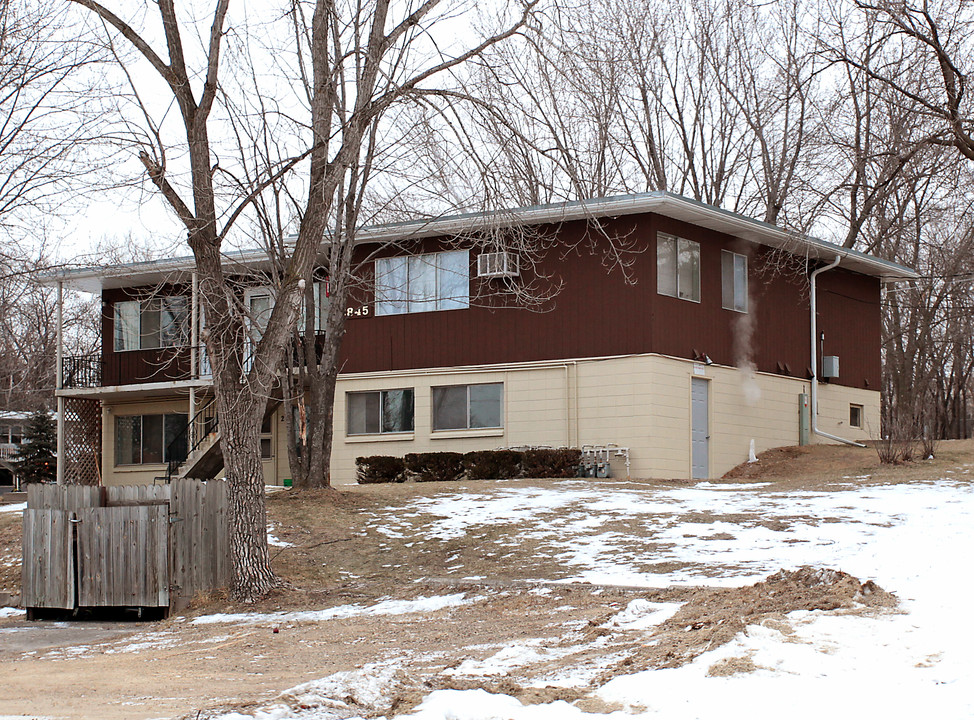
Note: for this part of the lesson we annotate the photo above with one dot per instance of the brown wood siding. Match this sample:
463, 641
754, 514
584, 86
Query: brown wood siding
851, 318
132, 367
598, 313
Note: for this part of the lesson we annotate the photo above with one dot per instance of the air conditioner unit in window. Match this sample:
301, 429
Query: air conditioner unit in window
497, 264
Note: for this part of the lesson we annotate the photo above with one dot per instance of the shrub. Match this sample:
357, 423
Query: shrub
435, 466
379, 469
547, 463
492, 464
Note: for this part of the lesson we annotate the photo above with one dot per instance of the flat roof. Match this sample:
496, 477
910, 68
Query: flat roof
95, 279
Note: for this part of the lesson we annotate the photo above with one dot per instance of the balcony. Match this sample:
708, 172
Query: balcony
133, 367
81, 371
136, 367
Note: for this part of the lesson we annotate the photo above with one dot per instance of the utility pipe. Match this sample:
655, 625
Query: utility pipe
59, 384
814, 323
194, 349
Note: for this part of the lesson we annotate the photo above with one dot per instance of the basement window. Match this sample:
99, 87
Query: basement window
468, 407
855, 416
383, 411
149, 439
678, 267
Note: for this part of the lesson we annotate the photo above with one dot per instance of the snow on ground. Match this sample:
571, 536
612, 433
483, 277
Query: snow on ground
769, 530
14, 507
273, 540
385, 607
915, 540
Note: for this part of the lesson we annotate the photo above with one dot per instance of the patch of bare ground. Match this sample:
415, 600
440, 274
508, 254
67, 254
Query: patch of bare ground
815, 467
712, 617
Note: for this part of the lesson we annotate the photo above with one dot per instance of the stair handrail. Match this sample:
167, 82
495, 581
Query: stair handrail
203, 423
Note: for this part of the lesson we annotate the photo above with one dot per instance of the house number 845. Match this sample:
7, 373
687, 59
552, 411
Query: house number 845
360, 311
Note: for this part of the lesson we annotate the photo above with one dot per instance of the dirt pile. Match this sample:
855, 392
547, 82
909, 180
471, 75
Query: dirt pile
713, 616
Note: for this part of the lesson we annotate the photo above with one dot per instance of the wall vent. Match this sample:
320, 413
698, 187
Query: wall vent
497, 264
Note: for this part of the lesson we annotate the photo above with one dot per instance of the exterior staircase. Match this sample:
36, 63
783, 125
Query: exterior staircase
204, 456
205, 461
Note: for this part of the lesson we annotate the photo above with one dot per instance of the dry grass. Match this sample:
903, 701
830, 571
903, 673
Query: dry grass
338, 556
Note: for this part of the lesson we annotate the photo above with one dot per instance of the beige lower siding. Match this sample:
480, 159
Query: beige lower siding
639, 402
113, 474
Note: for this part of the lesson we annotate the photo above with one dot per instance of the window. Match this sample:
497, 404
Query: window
385, 411
152, 323
420, 283
678, 267
462, 407
260, 305
733, 281
321, 300
146, 439
266, 439
855, 416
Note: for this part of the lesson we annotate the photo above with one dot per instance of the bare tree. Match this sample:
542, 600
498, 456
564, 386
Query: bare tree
936, 37
47, 121
28, 333
356, 65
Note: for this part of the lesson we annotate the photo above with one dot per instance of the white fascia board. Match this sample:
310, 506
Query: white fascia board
662, 203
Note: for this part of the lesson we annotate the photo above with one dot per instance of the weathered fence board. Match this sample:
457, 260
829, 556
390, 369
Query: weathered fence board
136, 546
137, 494
62, 497
199, 548
48, 568
123, 556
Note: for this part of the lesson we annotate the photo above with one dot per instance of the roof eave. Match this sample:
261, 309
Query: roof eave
660, 202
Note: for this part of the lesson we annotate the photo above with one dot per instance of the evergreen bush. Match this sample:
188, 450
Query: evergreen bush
379, 469
492, 464
551, 463
435, 466
37, 456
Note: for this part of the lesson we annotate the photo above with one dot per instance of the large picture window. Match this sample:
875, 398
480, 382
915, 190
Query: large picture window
464, 407
678, 267
146, 439
733, 280
382, 411
152, 323
420, 283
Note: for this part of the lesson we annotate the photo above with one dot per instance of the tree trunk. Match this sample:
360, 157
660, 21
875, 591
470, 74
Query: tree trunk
251, 574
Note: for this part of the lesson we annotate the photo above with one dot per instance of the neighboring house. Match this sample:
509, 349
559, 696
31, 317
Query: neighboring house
12, 427
706, 350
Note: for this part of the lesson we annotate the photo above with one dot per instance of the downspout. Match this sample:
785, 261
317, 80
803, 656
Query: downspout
814, 345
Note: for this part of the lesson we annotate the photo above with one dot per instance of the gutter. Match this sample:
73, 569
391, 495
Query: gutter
814, 325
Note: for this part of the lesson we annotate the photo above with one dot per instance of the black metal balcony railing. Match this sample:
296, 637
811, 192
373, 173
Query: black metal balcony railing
132, 367
81, 371
197, 431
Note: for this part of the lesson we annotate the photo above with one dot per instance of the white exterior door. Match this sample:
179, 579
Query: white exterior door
700, 429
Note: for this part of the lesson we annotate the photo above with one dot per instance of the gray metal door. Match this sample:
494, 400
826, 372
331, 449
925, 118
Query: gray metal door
700, 429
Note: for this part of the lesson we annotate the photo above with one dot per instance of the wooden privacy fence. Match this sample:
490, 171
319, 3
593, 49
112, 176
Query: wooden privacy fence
141, 546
